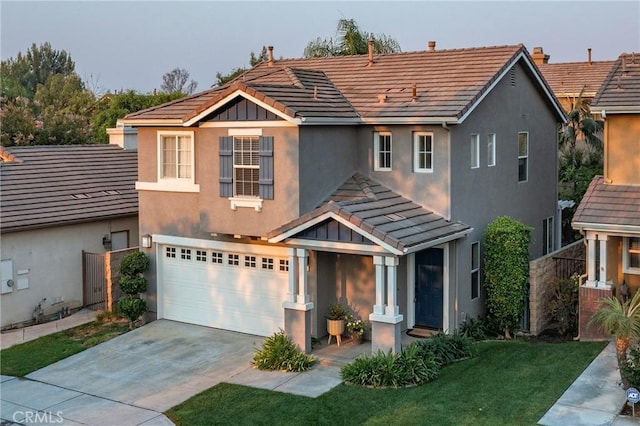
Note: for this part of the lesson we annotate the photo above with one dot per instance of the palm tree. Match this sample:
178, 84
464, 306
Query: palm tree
622, 319
351, 40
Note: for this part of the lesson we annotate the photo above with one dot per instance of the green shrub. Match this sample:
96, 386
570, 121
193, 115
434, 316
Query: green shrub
132, 308
447, 348
631, 369
561, 305
337, 311
133, 284
416, 366
506, 269
474, 329
134, 263
279, 353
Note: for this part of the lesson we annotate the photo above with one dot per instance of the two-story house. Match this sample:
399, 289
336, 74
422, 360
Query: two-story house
367, 179
609, 214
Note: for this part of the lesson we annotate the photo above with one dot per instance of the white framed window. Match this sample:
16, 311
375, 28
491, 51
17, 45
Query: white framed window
283, 265
185, 254
631, 255
267, 263
423, 152
523, 156
246, 166
250, 261
382, 151
491, 149
216, 257
176, 155
233, 259
475, 151
170, 252
475, 270
547, 235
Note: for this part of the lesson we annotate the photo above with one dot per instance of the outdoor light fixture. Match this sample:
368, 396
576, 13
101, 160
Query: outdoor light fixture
146, 241
106, 242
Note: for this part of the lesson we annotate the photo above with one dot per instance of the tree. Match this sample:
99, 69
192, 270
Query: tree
24, 73
622, 319
175, 81
351, 40
222, 79
581, 158
132, 283
112, 107
506, 269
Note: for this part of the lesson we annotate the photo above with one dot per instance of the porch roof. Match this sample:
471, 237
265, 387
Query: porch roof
607, 206
382, 216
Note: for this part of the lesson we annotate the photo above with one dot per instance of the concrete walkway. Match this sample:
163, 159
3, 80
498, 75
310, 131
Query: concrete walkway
25, 334
594, 398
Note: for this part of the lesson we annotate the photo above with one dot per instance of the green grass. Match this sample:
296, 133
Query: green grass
508, 383
22, 359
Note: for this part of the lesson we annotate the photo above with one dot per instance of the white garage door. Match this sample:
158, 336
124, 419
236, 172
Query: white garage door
240, 290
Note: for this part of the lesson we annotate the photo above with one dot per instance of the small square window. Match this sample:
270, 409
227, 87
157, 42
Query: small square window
267, 263
250, 261
233, 259
185, 254
283, 265
170, 252
216, 257
201, 255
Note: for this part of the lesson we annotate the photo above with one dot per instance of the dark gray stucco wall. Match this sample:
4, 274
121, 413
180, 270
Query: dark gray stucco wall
327, 159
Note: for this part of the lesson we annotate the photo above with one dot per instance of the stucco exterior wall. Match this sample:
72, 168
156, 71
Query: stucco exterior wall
428, 189
327, 159
51, 260
622, 156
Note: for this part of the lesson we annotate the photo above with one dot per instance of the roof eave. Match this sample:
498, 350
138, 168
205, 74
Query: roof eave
410, 120
438, 241
623, 109
151, 122
617, 228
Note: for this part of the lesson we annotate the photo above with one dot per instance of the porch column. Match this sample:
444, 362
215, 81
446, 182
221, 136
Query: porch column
392, 308
591, 259
378, 308
386, 321
297, 308
602, 241
291, 294
303, 295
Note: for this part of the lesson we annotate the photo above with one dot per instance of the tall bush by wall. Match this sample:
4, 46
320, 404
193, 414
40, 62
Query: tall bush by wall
506, 269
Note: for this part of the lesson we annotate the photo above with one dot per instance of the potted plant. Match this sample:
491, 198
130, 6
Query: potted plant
356, 327
336, 321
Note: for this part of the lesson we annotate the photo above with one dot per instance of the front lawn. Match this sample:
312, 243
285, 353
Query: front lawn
22, 359
507, 383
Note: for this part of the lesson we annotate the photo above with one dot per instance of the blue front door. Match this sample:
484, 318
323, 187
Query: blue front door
429, 288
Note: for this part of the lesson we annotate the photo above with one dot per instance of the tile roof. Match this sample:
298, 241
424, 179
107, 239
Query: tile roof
44, 186
603, 204
622, 86
448, 83
569, 79
382, 213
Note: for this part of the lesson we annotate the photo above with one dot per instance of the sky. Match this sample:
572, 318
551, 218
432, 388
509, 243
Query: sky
132, 44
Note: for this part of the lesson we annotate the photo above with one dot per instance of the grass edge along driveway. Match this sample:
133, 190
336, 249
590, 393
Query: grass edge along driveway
508, 383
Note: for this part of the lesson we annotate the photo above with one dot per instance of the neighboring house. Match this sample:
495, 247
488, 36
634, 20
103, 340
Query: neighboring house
365, 179
609, 214
570, 80
57, 201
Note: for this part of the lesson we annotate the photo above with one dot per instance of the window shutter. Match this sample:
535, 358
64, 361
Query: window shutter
266, 167
226, 166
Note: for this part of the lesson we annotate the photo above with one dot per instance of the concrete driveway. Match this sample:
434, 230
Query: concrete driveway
131, 379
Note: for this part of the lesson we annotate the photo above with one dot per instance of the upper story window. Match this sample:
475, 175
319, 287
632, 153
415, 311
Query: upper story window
382, 148
523, 156
176, 151
475, 151
631, 255
246, 168
491, 149
423, 152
